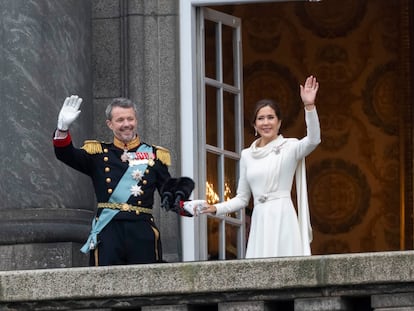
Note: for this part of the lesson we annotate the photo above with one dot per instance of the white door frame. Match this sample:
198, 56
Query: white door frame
188, 96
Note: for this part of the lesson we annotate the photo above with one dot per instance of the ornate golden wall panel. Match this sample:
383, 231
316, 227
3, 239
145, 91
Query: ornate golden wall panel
359, 50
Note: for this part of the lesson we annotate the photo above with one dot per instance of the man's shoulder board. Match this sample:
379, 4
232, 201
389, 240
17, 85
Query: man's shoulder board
163, 154
92, 146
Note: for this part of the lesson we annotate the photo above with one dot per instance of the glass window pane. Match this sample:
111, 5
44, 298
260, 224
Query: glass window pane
213, 238
230, 178
212, 185
229, 124
231, 241
228, 57
211, 115
210, 49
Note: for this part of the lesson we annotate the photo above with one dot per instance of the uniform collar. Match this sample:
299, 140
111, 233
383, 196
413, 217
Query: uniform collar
132, 144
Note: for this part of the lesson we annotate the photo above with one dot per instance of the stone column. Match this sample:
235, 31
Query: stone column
45, 207
154, 80
135, 56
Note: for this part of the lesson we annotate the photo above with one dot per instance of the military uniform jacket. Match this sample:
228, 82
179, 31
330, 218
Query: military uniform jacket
106, 165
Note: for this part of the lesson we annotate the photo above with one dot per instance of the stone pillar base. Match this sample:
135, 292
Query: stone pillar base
42, 256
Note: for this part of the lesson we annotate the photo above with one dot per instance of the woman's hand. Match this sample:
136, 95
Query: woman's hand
207, 209
308, 91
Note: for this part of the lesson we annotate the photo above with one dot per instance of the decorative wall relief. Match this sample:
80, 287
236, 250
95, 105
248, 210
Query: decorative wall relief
339, 195
330, 19
268, 79
263, 29
381, 98
359, 51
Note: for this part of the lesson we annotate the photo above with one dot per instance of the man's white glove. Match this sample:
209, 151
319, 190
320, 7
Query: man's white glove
69, 112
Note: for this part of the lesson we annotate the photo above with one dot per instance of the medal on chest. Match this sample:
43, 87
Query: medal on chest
138, 157
124, 156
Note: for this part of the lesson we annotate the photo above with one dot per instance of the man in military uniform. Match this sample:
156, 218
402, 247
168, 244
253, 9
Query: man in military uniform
125, 174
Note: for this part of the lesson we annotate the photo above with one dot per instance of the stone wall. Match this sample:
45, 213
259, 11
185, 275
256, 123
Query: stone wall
46, 207
135, 55
98, 50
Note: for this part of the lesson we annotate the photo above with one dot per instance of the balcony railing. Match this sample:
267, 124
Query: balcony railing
382, 281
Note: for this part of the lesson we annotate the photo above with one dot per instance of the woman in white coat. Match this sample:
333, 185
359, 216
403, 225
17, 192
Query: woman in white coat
267, 169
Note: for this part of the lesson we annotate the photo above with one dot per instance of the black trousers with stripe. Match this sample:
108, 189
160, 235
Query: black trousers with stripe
125, 241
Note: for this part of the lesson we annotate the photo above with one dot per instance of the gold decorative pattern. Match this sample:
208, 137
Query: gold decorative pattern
328, 19
342, 187
264, 29
125, 207
92, 147
132, 144
268, 79
360, 50
381, 94
163, 155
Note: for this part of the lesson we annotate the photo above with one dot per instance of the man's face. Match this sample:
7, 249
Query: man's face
123, 123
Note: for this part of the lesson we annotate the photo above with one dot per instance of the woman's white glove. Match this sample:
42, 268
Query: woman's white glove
69, 112
194, 207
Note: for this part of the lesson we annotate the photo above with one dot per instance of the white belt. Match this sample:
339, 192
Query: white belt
273, 196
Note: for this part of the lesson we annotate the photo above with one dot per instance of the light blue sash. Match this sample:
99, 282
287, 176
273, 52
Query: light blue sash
119, 195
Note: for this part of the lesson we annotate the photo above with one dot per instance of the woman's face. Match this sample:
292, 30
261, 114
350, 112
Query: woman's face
267, 124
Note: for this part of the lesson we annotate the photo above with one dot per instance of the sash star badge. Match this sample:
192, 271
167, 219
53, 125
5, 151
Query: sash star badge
136, 190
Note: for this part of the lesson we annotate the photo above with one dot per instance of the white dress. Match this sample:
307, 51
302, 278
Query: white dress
267, 173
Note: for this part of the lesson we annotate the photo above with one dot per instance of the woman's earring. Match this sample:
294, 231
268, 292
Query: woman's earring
255, 132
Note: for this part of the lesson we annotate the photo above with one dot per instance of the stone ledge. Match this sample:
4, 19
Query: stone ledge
223, 278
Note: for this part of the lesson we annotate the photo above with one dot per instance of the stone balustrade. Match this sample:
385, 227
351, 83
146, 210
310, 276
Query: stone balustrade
382, 281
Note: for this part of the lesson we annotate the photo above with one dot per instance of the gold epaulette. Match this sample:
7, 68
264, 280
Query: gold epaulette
163, 155
92, 146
